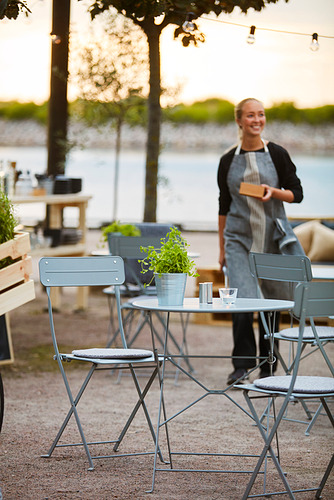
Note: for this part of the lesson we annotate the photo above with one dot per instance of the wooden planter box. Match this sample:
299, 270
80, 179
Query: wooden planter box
16, 287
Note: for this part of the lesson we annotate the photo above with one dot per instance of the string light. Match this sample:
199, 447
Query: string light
188, 26
314, 44
55, 38
251, 37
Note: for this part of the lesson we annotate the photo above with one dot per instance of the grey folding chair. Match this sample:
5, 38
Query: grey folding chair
95, 271
128, 248
311, 300
292, 269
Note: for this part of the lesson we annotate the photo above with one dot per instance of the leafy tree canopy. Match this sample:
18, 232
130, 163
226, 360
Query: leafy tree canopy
12, 8
165, 12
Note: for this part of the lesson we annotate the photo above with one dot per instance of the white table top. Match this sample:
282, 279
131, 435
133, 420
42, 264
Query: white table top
323, 272
192, 305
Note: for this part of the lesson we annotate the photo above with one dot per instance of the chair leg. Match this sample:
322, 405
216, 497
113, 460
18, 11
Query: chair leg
140, 402
313, 419
72, 410
267, 448
325, 477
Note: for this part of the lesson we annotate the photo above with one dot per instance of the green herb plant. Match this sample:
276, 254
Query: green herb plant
117, 227
172, 257
8, 223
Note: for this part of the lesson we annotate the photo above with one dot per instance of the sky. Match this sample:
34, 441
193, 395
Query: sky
278, 67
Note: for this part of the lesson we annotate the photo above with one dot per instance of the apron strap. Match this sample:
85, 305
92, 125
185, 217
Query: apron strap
237, 151
265, 146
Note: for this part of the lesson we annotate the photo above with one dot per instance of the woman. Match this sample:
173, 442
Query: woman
251, 224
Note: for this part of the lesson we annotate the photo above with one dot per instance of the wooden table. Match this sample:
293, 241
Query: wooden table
56, 204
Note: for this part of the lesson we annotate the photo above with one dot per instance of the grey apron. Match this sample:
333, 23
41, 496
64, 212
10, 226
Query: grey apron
252, 225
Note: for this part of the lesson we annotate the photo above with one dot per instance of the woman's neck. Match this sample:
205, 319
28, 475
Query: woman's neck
251, 143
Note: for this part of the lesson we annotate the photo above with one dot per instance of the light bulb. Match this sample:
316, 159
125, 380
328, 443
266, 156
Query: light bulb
188, 26
314, 44
55, 39
251, 37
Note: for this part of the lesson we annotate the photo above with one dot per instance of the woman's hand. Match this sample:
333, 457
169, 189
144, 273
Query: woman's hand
279, 194
222, 258
268, 193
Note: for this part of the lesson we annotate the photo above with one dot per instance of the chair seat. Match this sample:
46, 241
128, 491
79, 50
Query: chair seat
134, 299
303, 384
128, 290
131, 290
107, 353
324, 332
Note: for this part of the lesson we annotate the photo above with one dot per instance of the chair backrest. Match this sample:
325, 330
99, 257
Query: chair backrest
290, 269
128, 247
81, 271
277, 267
314, 299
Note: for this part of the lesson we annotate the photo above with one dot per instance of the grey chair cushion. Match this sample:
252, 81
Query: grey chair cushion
323, 332
112, 353
303, 384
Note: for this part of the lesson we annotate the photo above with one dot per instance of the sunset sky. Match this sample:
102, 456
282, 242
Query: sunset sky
277, 67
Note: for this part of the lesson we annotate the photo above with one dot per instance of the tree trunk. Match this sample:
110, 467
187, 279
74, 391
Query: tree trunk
116, 173
57, 119
153, 130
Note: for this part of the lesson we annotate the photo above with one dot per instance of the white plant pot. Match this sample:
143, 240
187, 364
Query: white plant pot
171, 288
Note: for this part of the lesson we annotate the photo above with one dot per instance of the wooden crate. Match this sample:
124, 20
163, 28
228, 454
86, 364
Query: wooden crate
16, 287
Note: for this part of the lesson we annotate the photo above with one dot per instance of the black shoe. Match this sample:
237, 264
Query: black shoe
238, 373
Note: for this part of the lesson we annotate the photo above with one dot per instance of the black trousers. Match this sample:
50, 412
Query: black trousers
245, 343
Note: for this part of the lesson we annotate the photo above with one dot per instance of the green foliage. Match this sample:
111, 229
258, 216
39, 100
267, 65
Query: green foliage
96, 113
117, 227
12, 8
210, 110
172, 257
286, 111
13, 110
8, 223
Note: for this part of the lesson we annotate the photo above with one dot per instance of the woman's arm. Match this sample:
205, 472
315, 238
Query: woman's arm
280, 194
286, 170
221, 227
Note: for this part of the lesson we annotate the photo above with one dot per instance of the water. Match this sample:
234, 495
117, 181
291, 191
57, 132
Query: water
187, 191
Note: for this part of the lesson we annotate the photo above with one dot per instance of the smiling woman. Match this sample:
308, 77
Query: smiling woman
254, 224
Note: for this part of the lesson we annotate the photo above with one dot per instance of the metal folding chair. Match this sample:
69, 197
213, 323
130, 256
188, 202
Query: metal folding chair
311, 300
129, 249
292, 269
95, 271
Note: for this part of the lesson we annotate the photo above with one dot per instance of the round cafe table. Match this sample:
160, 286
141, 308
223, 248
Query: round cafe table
192, 305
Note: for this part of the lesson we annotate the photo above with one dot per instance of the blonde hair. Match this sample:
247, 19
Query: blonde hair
238, 111
238, 108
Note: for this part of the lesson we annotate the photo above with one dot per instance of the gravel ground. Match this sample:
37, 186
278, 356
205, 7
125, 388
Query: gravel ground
35, 403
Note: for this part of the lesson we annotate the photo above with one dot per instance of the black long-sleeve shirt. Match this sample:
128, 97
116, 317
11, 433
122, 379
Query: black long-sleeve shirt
286, 171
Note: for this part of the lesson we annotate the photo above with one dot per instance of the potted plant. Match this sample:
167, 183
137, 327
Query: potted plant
171, 265
15, 265
119, 229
